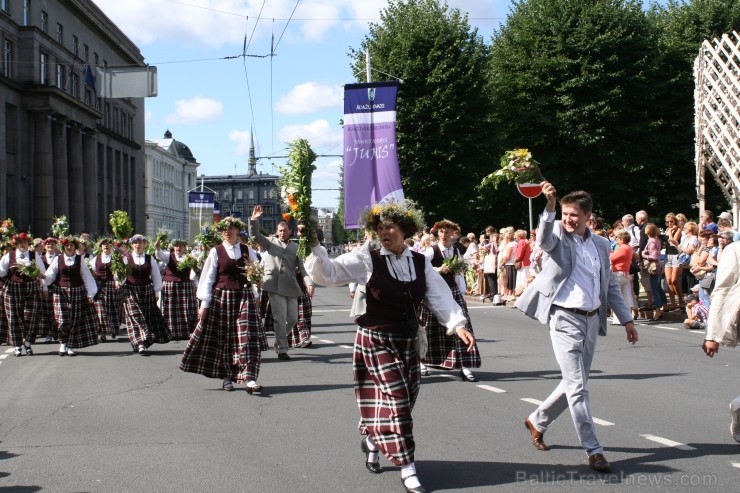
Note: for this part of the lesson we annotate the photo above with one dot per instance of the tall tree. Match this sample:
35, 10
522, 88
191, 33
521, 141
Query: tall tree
444, 108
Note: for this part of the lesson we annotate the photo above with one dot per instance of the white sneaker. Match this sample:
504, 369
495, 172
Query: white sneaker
70, 352
735, 423
142, 349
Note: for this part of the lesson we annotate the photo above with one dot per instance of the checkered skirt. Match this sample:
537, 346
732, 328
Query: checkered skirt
387, 377
108, 307
22, 303
179, 309
45, 323
301, 332
144, 322
3, 320
448, 352
229, 341
75, 317
266, 312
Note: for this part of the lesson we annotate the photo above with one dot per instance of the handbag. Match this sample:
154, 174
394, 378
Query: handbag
684, 259
650, 266
707, 282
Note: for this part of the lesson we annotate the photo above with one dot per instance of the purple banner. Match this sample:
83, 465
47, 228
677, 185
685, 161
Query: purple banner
371, 173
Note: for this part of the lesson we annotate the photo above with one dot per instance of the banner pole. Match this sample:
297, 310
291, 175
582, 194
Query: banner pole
367, 65
530, 217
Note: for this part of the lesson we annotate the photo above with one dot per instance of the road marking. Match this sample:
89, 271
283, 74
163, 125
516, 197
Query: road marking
314, 337
346, 347
327, 341
602, 422
492, 389
336, 310
735, 464
670, 443
3, 356
531, 401
9, 350
446, 375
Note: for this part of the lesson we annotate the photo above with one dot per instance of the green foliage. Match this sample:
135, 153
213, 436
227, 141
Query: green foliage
295, 189
120, 225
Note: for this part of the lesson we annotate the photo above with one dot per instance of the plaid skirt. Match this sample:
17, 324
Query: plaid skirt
75, 317
22, 303
45, 323
144, 322
266, 312
108, 307
3, 320
301, 332
229, 341
179, 309
448, 352
387, 377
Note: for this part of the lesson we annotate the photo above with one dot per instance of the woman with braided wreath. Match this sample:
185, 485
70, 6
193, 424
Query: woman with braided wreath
445, 350
21, 294
46, 326
144, 322
228, 340
385, 361
73, 293
108, 301
179, 305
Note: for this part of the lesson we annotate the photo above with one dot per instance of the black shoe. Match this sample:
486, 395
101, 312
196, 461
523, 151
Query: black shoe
418, 489
283, 356
29, 351
373, 467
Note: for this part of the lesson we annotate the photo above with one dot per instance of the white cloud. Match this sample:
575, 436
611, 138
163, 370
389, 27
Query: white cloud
319, 133
242, 141
195, 111
327, 171
310, 97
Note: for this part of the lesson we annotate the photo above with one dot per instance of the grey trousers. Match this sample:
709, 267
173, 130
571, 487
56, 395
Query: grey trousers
284, 317
574, 343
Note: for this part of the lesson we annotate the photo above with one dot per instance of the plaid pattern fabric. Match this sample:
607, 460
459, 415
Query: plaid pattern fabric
179, 309
3, 320
45, 323
75, 317
301, 332
448, 352
387, 377
22, 302
700, 312
144, 322
266, 312
108, 307
229, 341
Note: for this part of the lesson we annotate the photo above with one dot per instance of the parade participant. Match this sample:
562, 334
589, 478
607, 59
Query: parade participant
300, 335
46, 325
386, 359
571, 295
108, 300
74, 290
445, 350
179, 305
144, 323
21, 294
280, 260
228, 339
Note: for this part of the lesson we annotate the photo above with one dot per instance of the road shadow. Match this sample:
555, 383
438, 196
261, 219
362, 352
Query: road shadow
269, 391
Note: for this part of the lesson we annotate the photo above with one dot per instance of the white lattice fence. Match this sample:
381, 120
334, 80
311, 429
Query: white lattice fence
717, 107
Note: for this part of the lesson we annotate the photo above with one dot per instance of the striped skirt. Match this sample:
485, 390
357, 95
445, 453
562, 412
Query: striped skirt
229, 341
144, 323
45, 324
3, 320
75, 317
266, 312
448, 352
387, 378
108, 307
22, 304
301, 332
179, 309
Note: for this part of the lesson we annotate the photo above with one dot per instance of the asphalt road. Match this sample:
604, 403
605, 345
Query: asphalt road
109, 420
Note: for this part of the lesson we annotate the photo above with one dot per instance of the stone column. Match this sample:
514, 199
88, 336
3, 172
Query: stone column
43, 175
76, 189
61, 173
90, 173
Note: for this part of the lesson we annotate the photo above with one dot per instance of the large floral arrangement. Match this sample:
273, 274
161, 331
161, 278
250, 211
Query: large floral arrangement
7, 229
254, 272
456, 265
209, 237
118, 267
120, 225
161, 239
27, 268
189, 261
295, 190
60, 227
516, 166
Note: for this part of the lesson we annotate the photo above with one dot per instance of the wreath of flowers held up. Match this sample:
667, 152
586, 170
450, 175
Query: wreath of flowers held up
60, 226
405, 214
516, 166
120, 225
295, 190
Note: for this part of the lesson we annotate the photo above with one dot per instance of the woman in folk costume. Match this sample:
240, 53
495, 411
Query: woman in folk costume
179, 305
46, 324
228, 341
74, 290
144, 322
4, 248
446, 351
386, 357
108, 300
21, 294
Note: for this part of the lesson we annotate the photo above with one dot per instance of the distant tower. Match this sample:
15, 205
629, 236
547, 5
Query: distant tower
252, 169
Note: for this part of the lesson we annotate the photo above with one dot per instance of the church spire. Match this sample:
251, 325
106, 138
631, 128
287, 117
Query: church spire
252, 168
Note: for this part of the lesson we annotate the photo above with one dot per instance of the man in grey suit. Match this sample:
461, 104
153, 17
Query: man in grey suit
281, 261
570, 295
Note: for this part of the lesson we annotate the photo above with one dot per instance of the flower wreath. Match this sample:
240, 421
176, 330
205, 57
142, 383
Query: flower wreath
229, 222
446, 224
22, 237
66, 240
178, 242
405, 214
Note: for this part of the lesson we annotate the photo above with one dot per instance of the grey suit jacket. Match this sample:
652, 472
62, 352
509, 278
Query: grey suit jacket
536, 301
280, 264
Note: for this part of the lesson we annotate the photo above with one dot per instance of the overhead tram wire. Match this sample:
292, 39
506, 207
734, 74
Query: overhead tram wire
286, 24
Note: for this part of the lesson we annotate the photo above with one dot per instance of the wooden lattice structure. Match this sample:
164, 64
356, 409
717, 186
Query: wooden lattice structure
717, 111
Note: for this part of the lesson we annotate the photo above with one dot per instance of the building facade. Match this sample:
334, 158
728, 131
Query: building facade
63, 150
324, 222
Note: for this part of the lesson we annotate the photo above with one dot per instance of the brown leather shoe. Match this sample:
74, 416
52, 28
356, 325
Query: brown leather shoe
537, 437
598, 463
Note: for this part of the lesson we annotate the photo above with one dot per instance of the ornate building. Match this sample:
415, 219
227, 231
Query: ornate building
63, 150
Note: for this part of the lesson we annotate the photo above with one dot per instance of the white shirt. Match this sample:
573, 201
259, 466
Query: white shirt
210, 271
87, 278
156, 275
5, 263
164, 257
357, 266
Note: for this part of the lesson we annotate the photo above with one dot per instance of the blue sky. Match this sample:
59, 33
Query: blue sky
210, 103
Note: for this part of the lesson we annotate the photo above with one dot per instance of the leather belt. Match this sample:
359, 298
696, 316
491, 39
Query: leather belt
578, 311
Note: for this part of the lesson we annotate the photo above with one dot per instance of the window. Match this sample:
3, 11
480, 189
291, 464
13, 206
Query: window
60, 33
44, 22
26, 12
75, 85
60, 76
7, 58
265, 193
75, 45
86, 53
250, 194
95, 59
4, 6
43, 68
239, 195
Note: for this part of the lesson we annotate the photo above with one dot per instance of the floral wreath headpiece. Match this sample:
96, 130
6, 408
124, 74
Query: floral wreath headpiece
23, 236
137, 237
406, 214
229, 222
66, 240
178, 242
446, 224
49, 240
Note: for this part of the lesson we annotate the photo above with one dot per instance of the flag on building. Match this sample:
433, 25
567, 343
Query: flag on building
90, 80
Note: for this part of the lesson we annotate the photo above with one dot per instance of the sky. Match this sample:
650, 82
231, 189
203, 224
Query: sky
210, 96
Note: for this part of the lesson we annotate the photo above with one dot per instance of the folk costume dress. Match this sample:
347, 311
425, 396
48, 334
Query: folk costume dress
385, 362
45, 324
21, 299
74, 315
108, 301
447, 351
229, 341
179, 304
144, 322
